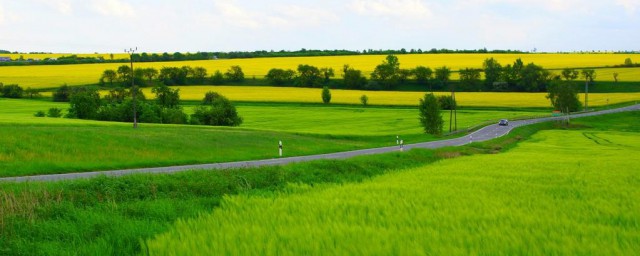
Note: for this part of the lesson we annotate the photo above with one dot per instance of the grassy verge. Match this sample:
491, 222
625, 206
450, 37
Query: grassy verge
110, 216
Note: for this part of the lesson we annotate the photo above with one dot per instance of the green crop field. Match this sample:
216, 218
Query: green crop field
42, 145
310, 95
560, 193
55, 75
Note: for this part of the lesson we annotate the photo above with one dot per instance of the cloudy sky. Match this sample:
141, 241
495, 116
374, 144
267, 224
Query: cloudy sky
86, 26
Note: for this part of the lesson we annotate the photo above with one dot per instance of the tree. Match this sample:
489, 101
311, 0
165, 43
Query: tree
12, 91
589, 75
532, 78
387, 73
108, 75
124, 75
308, 76
423, 75
364, 100
615, 76
446, 102
442, 76
430, 116
327, 74
166, 97
216, 110
563, 96
569, 74
173, 75
234, 74
628, 62
278, 76
62, 94
470, 79
217, 78
85, 103
353, 78
32, 93
149, 74
492, 73
199, 74
326, 95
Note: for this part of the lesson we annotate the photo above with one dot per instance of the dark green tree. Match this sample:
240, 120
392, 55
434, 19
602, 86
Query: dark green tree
216, 110
423, 75
353, 78
234, 74
12, 91
387, 73
309, 76
569, 74
470, 79
84, 103
278, 76
589, 75
62, 94
217, 78
327, 74
492, 73
124, 75
199, 74
326, 95
166, 97
430, 116
108, 75
563, 96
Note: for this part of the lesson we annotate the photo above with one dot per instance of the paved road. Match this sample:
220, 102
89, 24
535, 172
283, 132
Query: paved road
483, 134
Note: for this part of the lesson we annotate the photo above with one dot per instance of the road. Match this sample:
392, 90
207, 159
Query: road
483, 134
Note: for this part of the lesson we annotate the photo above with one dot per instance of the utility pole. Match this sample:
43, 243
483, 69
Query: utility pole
131, 51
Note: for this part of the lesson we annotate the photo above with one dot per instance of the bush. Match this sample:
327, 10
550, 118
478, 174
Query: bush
54, 112
234, 74
216, 110
364, 100
326, 95
12, 91
173, 116
62, 94
217, 78
446, 102
85, 103
40, 113
430, 117
278, 76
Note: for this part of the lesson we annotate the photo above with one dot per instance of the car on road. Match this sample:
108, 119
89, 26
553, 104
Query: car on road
503, 122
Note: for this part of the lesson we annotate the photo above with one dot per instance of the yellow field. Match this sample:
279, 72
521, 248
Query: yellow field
307, 95
53, 76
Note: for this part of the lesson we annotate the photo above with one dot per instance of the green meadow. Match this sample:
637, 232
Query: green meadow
43, 145
562, 192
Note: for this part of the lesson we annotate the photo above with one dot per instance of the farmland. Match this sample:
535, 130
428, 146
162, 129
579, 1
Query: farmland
81, 74
483, 204
310, 95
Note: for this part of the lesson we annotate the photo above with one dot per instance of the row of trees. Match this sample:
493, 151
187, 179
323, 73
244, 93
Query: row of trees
16, 92
117, 105
168, 76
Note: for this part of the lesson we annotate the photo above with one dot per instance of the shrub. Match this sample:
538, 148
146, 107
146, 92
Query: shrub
40, 113
278, 76
85, 103
217, 78
430, 117
234, 74
12, 91
326, 95
54, 112
446, 102
62, 94
364, 100
216, 110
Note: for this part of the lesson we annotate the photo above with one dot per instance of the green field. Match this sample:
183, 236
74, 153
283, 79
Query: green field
561, 192
49, 76
42, 145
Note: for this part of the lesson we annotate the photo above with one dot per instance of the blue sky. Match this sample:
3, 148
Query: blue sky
86, 26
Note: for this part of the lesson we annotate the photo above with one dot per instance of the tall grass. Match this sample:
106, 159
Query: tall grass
562, 192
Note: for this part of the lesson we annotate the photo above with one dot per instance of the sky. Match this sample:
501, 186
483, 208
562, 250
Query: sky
110, 26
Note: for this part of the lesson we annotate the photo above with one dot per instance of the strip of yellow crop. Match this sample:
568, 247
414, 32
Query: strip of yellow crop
310, 95
53, 76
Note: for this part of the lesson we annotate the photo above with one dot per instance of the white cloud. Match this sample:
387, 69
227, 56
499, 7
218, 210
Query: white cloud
235, 15
113, 8
61, 6
400, 8
299, 16
631, 6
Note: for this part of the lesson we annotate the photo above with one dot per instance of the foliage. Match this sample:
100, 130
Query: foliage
109, 75
423, 75
54, 112
166, 97
492, 73
62, 94
327, 74
569, 74
326, 95
442, 76
470, 79
353, 78
173, 75
84, 103
364, 100
217, 78
124, 73
39, 113
12, 91
563, 97
199, 74
446, 102
216, 110
277, 76
430, 116
308, 76
32, 93
234, 74
387, 73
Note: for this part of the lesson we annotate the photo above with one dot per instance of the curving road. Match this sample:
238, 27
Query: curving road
483, 134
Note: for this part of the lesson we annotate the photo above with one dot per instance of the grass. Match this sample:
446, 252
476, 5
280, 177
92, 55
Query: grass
562, 192
110, 216
55, 75
397, 98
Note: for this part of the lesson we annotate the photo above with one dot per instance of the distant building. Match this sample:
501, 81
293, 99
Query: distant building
5, 59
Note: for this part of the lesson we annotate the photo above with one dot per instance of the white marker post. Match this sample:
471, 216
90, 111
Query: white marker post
401, 145
397, 140
470, 139
280, 148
